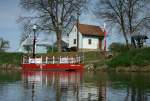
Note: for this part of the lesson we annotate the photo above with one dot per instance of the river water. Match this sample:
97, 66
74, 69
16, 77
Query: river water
74, 86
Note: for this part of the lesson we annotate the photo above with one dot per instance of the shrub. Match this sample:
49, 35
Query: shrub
118, 47
51, 49
133, 57
10, 58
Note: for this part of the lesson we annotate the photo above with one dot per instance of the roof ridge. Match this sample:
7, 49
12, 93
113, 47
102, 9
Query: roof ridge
89, 25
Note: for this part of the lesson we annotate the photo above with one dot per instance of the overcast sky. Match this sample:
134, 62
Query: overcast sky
10, 29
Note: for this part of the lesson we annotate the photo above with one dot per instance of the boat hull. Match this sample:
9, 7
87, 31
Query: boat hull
52, 66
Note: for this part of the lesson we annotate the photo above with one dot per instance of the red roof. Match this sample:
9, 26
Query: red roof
91, 30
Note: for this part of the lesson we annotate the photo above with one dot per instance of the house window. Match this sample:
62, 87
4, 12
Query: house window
90, 41
74, 41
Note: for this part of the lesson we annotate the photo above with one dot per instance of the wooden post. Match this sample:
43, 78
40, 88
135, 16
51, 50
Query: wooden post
67, 60
53, 60
29, 60
60, 59
41, 59
23, 60
46, 59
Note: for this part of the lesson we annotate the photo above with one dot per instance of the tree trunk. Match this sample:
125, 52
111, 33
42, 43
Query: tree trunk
126, 39
124, 32
58, 33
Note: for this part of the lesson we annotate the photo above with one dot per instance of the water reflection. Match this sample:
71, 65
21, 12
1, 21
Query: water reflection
133, 86
58, 85
74, 86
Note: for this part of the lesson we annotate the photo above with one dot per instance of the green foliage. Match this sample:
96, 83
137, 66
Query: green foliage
58, 54
92, 55
133, 57
118, 47
28, 48
51, 49
10, 58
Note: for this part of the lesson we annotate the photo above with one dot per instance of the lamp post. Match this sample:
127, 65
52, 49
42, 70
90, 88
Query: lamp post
34, 27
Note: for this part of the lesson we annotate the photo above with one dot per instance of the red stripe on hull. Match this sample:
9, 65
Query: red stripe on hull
52, 66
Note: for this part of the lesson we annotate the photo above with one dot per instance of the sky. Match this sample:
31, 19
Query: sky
10, 29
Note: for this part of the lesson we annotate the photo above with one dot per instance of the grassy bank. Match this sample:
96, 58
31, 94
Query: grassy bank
134, 58
91, 57
14, 59
10, 58
128, 60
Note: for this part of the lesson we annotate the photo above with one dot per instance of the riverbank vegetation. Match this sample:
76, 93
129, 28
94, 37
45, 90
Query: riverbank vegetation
123, 59
136, 58
10, 58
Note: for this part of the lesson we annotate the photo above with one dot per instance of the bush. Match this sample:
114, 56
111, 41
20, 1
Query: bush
51, 49
133, 57
118, 47
10, 58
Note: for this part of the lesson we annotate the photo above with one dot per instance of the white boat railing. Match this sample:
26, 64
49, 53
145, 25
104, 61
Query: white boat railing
53, 60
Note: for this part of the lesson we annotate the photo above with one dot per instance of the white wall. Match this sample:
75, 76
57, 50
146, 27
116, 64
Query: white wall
94, 42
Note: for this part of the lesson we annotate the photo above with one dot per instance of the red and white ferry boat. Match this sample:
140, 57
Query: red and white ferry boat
52, 63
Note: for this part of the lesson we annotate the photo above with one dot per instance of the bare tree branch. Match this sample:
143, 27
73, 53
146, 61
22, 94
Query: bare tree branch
55, 15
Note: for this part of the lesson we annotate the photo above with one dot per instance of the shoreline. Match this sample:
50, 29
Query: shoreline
10, 67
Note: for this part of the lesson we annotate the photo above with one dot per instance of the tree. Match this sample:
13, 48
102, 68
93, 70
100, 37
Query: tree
28, 48
3, 45
129, 15
137, 16
54, 15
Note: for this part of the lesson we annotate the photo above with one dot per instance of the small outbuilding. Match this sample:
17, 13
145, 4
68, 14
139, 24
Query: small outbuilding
138, 40
90, 37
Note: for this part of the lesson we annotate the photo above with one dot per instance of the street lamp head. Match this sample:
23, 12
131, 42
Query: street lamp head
34, 27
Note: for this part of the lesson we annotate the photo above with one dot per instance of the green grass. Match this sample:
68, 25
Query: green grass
91, 56
10, 58
16, 57
133, 57
88, 56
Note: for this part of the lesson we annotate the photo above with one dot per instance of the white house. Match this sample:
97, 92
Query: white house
90, 37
